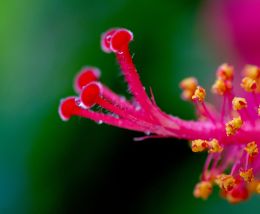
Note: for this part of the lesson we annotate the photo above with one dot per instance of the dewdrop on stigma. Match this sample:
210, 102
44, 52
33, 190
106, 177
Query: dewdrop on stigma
230, 135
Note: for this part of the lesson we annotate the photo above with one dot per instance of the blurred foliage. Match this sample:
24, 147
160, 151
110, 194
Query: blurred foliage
48, 166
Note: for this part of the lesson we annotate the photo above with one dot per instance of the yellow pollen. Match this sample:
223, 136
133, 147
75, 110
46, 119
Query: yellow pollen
188, 86
189, 83
187, 95
233, 126
215, 147
202, 190
199, 145
251, 149
225, 182
239, 103
258, 188
248, 84
225, 72
199, 94
220, 87
252, 71
247, 175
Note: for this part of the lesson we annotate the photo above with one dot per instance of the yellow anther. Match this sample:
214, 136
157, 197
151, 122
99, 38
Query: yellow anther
188, 86
239, 103
215, 146
252, 72
199, 145
251, 149
187, 95
252, 186
258, 110
202, 190
225, 72
258, 188
233, 126
220, 87
189, 83
248, 84
247, 175
225, 182
199, 94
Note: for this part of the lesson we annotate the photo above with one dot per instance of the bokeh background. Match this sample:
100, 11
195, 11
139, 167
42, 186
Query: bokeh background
48, 166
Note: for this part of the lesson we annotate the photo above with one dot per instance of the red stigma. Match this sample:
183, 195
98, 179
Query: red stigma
116, 40
86, 76
120, 40
106, 39
90, 94
67, 107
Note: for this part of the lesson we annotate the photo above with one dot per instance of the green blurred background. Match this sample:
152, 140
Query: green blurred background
48, 166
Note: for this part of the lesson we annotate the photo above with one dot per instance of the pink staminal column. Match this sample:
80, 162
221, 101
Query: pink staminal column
229, 135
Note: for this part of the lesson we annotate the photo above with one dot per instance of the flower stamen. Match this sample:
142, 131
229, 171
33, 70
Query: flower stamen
231, 162
233, 126
247, 175
225, 182
202, 190
188, 85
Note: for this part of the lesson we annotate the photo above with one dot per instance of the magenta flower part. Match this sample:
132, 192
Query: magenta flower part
230, 135
239, 23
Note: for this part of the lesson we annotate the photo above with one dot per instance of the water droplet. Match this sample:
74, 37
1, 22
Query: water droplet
113, 115
108, 38
122, 98
147, 133
138, 108
100, 122
78, 102
116, 116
